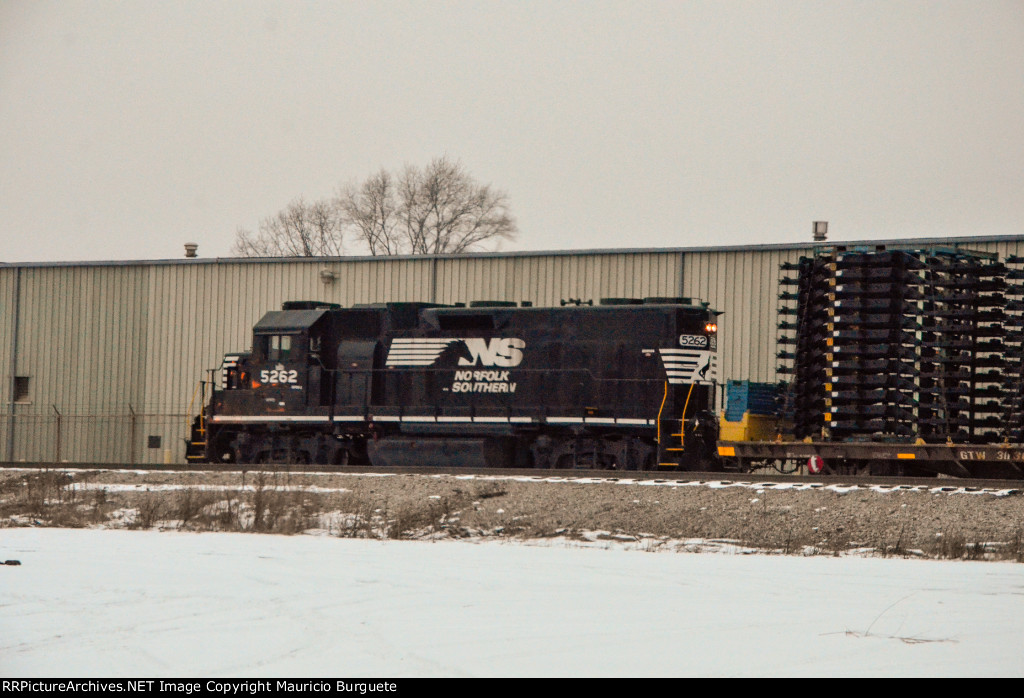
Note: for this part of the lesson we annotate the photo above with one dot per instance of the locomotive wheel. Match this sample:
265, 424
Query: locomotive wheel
243, 456
220, 448
586, 461
283, 456
564, 462
593, 461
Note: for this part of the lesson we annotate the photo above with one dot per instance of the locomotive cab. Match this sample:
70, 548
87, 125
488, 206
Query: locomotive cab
288, 368
291, 358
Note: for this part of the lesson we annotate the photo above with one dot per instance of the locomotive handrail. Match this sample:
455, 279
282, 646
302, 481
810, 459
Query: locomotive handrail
660, 409
430, 369
422, 369
474, 398
192, 402
682, 420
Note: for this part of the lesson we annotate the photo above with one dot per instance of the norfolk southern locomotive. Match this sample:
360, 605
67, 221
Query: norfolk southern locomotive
626, 384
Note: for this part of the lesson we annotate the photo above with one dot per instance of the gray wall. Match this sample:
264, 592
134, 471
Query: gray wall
115, 351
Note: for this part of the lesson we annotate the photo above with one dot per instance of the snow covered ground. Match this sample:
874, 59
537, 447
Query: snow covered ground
143, 603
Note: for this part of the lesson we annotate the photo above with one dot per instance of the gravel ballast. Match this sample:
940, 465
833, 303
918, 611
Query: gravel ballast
942, 522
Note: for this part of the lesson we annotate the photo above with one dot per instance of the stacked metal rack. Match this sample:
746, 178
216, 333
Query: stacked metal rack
1013, 369
894, 345
875, 352
964, 344
803, 321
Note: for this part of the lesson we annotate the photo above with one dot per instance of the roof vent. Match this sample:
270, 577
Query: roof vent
668, 300
492, 304
309, 305
190, 249
820, 231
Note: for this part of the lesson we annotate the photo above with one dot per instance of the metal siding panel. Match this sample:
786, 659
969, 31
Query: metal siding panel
8, 279
76, 340
593, 278
609, 277
530, 283
441, 276
559, 280
636, 275
463, 290
743, 309
445, 280
539, 282
498, 278
177, 336
648, 276
758, 275
515, 279
744, 286
548, 275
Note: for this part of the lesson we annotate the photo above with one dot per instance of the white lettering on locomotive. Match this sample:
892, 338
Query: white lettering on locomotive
693, 340
422, 351
490, 376
496, 352
279, 374
469, 387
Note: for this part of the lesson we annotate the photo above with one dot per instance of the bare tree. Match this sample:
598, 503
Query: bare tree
436, 210
370, 210
301, 230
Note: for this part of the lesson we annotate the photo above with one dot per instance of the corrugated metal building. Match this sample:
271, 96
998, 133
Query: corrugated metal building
102, 360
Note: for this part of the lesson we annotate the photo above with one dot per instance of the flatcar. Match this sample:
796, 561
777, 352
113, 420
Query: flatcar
625, 384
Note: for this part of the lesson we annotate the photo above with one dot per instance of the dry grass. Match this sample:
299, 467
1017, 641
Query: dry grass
969, 527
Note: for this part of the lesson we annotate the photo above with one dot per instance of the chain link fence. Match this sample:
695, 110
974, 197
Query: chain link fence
120, 436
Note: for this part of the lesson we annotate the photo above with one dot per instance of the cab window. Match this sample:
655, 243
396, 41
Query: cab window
280, 347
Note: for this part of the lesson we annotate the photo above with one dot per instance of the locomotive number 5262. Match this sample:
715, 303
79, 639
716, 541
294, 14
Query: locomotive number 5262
279, 376
693, 340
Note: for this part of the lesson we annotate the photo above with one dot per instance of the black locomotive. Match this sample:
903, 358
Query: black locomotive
626, 384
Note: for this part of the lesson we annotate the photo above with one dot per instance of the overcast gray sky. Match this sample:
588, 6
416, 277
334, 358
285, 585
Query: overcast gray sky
129, 128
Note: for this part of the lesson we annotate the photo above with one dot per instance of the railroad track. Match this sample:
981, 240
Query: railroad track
666, 477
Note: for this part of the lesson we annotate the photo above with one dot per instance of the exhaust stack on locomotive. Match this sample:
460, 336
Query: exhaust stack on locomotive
625, 384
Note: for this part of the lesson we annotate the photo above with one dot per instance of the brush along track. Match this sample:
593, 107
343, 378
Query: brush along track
942, 519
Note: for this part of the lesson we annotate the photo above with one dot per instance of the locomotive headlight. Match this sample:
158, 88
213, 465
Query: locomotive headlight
711, 328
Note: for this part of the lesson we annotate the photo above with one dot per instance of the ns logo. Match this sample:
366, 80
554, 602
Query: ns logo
425, 351
495, 352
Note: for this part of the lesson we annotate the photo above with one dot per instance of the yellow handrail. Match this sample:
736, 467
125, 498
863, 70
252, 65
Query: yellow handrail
188, 415
682, 425
663, 399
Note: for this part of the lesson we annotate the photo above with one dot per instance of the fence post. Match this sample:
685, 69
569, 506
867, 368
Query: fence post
132, 460
56, 458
